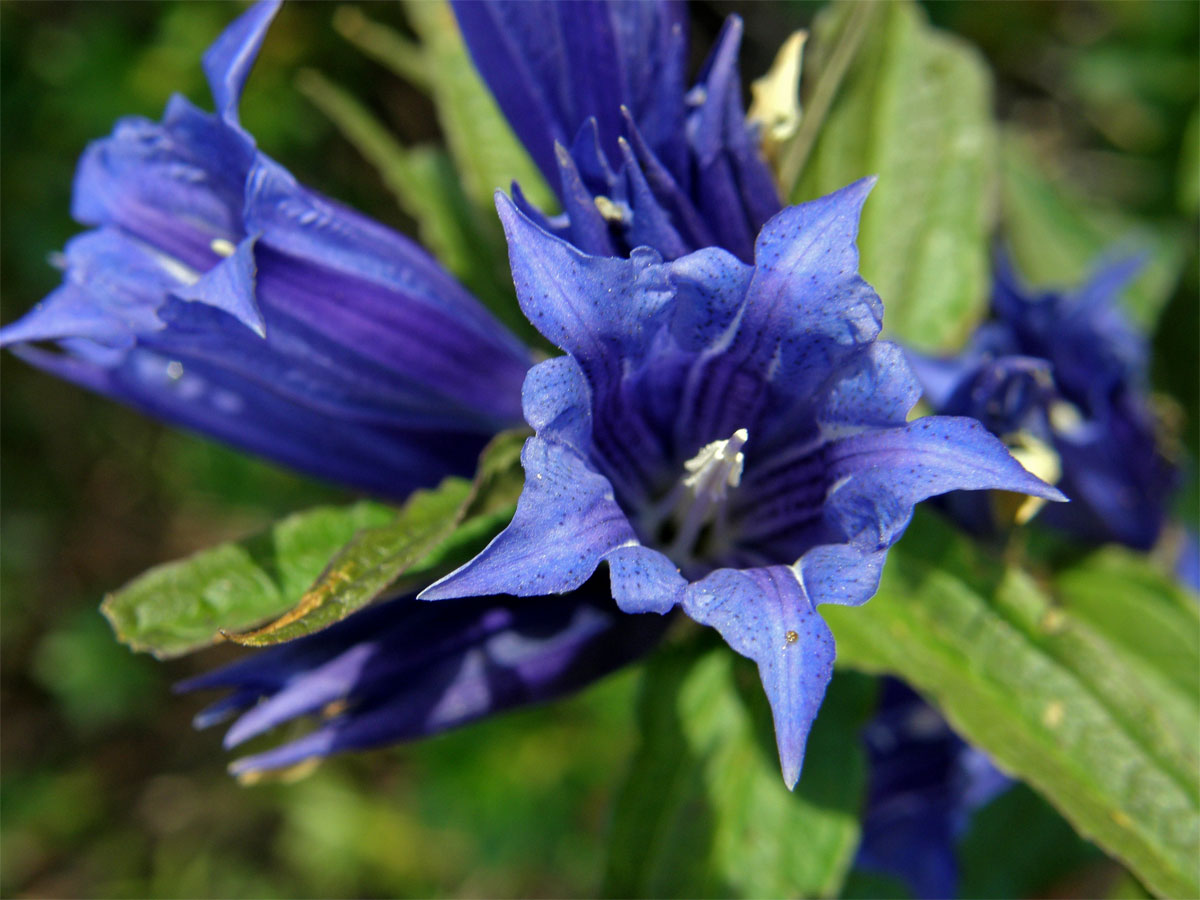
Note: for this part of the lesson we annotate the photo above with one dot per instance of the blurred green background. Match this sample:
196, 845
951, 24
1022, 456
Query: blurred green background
106, 790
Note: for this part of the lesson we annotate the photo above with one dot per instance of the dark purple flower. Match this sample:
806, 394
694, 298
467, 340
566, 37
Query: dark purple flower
1067, 369
218, 293
596, 91
406, 669
925, 782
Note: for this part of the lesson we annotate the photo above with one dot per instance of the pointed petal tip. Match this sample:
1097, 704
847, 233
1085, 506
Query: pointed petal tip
791, 774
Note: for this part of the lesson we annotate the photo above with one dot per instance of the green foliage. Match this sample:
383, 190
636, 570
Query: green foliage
182, 606
704, 813
914, 109
315, 568
1041, 681
435, 532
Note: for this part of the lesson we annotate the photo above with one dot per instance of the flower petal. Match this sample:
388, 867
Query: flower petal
228, 61
764, 614
589, 306
566, 521
644, 581
429, 667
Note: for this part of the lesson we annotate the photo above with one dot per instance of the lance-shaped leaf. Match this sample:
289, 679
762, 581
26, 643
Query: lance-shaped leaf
486, 152
914, 109
316, 567
702, 813
433, 533
1049, 690
183, 606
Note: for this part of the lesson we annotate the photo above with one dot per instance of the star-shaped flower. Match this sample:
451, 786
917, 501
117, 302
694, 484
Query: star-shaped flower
730, 438
596, 90
1067, 370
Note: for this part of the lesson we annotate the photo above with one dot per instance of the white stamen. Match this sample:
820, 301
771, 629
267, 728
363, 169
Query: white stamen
222, 247
174, 370
701, 494
717, 467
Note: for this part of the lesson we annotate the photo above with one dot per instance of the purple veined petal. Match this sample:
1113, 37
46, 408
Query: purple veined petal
670, 192
230, 286
650, 225
430, 667
512, 44
228, 61
644, 581
878, 476
305, 225
386, 461
553, 66
591, 74
566, 521
765, 615
583, 303
589, 230
176, 186
128, 279
807, 308
877, 388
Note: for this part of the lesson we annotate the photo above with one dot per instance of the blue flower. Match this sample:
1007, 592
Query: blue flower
219, 294
405, 669
1067, 369
730, 439
596, 91
925, 782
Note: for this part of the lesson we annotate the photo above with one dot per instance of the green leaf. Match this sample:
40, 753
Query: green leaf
370, 564
183, 606
704, 811
914, 108
316, 567
486, 153
1047, 854
1041, 682
435, 532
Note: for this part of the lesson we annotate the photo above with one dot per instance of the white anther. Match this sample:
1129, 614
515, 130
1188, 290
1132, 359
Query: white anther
222, 247
717, 467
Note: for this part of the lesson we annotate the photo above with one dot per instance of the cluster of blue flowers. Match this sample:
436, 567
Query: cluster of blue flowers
724, 428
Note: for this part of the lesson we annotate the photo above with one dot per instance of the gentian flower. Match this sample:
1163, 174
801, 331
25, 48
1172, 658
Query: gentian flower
596, 92
730, 438
1068, 370
925, 783
218, 293
405, 669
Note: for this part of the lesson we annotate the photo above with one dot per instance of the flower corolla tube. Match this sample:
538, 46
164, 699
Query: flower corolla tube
597, 92
405, 669
1065, 371
730, 438
219, 294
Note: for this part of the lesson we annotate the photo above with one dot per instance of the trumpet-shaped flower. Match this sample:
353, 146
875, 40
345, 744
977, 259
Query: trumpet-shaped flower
730, 438
404, 670
1067, 369
596, 91
218, 293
